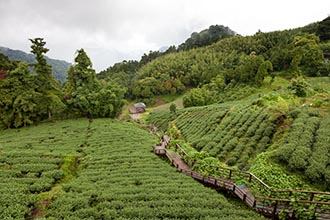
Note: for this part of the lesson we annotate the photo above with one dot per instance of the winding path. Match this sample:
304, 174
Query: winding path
269, 207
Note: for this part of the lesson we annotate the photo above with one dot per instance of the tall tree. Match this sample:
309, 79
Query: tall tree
86, 95
307, 55
18, 103
38, 49
50, 100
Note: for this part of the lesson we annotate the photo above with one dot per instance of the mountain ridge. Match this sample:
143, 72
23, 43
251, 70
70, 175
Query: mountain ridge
59, 67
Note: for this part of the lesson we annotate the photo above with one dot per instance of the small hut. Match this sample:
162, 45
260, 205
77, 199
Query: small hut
138, 108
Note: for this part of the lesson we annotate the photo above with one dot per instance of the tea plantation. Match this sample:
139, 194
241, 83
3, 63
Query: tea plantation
103, 170
288, 133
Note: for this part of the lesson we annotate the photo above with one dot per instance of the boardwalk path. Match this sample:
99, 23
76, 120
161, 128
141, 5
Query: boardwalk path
270, 207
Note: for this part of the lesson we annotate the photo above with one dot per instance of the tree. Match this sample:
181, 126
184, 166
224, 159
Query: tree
38, 49
86, 96
198, 97
147, 87
206, 37
6, 64
323, 29
299, 87
50, 100
249, 67
263, 72
28, 98
173, 108
18, 103
307, 55
146, 58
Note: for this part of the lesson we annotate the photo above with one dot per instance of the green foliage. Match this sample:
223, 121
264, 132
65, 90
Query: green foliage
217, 58
323, 29
38, 49
122, 74
50, 99
59, 67
146, 58
24, 101
5, 63
304, 147
198, 97
173, 108
307, 56
118, 177
31, 162
161, 119
275, 175
263, 72
206, 37
299, 87
234, 133
235, 60
89, 97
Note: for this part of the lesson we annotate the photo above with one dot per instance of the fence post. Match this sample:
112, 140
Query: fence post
275, 207
230, 174
250, 177
312, 196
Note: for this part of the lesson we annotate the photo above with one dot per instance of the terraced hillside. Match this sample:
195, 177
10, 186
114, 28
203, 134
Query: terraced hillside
106, 170
232, 133
273, 134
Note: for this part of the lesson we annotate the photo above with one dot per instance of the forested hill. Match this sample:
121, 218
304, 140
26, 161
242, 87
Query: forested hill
234, 60
206, 37
59, 67
124, 72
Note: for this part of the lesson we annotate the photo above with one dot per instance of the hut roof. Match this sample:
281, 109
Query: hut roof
140, 105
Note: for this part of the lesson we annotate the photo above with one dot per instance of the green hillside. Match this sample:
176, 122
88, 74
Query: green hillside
105, 170
206, 72
291, 129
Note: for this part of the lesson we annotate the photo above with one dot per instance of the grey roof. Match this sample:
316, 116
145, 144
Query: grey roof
140, 105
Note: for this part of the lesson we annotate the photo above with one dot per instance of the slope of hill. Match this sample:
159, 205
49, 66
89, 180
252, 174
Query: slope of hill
59, 67
274, 120
103, 170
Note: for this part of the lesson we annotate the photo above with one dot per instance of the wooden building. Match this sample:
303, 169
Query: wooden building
138, 108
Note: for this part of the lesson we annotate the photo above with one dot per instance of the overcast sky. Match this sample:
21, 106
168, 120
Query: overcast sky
115, 30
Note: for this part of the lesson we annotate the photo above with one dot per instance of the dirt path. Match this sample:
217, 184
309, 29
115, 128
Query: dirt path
136, 116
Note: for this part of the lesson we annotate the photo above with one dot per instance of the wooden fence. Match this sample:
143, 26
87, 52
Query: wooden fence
269, 202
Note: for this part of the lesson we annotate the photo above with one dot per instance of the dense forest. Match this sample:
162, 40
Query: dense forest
29, 98
232, 61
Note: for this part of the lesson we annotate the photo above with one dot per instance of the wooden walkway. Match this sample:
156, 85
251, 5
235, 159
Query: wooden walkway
268, 206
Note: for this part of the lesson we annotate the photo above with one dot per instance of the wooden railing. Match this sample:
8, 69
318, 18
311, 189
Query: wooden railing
251, 177
262, 198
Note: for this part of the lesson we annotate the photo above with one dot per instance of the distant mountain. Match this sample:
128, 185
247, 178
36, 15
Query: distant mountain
59, 67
